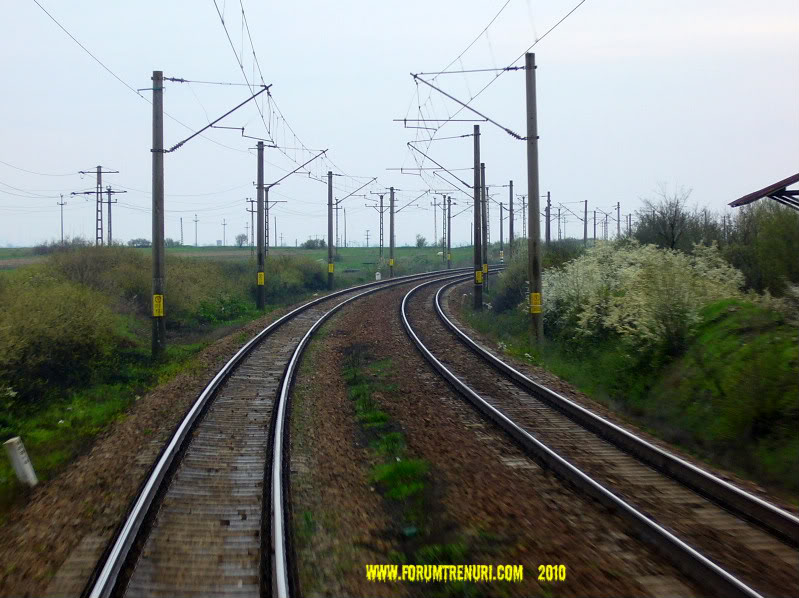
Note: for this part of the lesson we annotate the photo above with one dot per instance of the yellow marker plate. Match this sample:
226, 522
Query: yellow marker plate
158, 306
478, 276
485, 268
449, 256
535, 303
330, 268
261, 278
391, 262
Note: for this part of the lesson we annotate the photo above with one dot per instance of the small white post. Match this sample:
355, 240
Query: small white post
377, 276
20, 460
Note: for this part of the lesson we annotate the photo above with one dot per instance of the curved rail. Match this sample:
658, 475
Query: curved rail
279, 493
767, 515
700, 568
106, 573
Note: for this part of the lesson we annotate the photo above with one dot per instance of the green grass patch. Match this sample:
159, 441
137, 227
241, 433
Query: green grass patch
730, 397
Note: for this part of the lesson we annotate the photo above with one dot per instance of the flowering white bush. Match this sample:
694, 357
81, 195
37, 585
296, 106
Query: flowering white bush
649, 296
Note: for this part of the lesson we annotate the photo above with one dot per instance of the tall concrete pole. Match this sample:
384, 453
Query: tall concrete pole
381, 226
585, 224
510, 222
449, 233
484, 222
548, 217
330, 230
259, 195
618, 219
108, 190
501, 241
391, 233
533, 214
61, 203
443, 229
478, 250
195, 230
159, 270
594, 227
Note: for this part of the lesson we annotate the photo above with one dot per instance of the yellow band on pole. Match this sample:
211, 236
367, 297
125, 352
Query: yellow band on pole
158, 306
478, 276
535, 303
391, 262
260, 278
485, 268
330, 268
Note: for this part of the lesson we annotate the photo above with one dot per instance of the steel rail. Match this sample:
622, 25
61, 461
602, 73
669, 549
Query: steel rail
104, 577
777, 521
279, 494
704, 571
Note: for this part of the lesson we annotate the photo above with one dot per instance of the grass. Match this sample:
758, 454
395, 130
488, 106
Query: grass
730, 398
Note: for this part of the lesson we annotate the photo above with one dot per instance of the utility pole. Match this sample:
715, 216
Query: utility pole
337, 239
195, 230
524, 216
109, 192
330, 229
266, 218
381, 226
252, 212
275, 231
501, 242
585, 224
99, 219
478, 251
449, 233
484, 223
548, 217
594, 227
159, 323
246, 230
559, 223
260, 298
224, 238
510, 222
434, 242
391, 232
181, 229
367, 238
534, 214
618, 219
62, 203
345, 228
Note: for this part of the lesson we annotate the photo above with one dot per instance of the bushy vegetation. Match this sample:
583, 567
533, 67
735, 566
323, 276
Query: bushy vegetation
673, 339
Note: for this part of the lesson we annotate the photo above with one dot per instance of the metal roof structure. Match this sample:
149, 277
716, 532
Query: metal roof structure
777, 191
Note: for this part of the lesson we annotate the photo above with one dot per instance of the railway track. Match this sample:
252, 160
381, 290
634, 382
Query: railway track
211, 516
728, 541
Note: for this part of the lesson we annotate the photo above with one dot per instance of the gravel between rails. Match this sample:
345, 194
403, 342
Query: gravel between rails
746, 551
480, 481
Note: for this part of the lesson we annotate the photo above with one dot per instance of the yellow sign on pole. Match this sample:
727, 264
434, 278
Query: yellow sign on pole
391, 262
330, 268
485, 268
478, 276
158, 306
261, 278
535, 303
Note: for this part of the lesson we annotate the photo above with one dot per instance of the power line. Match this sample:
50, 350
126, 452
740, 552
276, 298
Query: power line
37, 173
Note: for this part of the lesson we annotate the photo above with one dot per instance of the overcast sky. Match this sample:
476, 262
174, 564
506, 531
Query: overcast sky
703, 95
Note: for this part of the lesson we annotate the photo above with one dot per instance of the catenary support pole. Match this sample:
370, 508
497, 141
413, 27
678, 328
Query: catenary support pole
99, 222
478, 251
484, 223
443, 229
618, 219
108, 190
259, 196
510, 222
195, 230
548, 216
534, 215
159, 274
391, 233
501, 241
449, 233
329, 229
62, 203
585, 224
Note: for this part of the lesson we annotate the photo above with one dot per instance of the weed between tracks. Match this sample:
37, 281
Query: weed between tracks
408, 484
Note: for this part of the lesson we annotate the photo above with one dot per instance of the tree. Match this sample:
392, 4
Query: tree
421, 241
169, 242
314, 244
664, 221
241, 239
139, 242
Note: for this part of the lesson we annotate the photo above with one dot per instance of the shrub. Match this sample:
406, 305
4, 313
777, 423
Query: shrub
51, 333
650, 297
